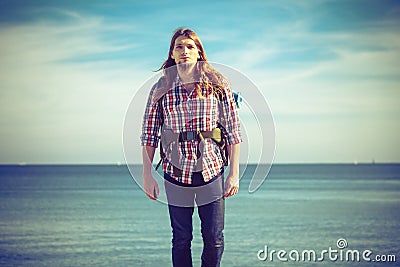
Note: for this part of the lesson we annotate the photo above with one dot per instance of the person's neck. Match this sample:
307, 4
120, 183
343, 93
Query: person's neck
186, 76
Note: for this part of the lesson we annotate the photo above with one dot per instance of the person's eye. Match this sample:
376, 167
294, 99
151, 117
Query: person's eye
178, 47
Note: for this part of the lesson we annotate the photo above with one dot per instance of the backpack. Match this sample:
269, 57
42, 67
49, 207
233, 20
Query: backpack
217, 135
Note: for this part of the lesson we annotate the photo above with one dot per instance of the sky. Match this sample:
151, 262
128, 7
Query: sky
329, 71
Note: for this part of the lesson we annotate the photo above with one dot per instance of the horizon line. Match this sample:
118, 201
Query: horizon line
251, 163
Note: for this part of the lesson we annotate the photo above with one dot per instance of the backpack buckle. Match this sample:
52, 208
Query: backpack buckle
187, 136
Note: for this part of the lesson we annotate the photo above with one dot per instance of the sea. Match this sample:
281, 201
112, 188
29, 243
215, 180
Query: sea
302, 215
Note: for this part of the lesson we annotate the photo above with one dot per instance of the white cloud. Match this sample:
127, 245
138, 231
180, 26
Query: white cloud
342, 108
56, 110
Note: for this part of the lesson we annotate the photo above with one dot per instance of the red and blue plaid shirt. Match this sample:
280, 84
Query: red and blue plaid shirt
184, 111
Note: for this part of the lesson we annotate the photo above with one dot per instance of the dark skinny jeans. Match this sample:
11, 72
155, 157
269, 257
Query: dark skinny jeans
211, 209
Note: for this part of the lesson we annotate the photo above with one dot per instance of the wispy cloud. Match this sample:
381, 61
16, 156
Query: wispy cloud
328, 70
340, 96
49, 103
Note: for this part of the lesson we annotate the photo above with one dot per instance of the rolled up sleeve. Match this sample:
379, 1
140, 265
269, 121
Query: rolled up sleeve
229, 118
151, 122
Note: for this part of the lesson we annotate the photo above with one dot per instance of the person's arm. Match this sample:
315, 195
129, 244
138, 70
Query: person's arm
230, 121
149, 139
150, 185
232, 181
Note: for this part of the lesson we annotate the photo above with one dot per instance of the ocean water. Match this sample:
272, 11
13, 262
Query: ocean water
98, 216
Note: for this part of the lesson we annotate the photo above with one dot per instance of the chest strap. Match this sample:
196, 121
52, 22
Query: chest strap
215, 134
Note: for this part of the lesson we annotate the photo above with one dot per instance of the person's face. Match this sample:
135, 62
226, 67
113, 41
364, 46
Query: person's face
185, 51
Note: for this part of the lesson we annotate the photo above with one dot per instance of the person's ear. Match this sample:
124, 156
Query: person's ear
172, 56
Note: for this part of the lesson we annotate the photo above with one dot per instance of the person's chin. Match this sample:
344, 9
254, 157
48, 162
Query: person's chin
186, 61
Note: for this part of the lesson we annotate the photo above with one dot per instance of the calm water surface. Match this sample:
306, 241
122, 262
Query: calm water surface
98, 216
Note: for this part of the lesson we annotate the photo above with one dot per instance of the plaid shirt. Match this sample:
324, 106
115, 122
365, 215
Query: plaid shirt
184, 111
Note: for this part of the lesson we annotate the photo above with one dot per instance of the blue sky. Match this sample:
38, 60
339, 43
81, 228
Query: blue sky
328, 69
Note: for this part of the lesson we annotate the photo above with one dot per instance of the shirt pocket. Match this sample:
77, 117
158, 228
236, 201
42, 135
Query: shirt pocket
176, 116
211, 154
207, 112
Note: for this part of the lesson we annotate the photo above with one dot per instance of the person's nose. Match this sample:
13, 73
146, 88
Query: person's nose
185, 50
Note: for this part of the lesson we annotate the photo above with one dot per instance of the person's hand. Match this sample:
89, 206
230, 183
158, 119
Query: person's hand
231, 185
150, 187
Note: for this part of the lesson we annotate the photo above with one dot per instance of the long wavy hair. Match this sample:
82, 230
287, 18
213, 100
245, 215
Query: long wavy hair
205, 75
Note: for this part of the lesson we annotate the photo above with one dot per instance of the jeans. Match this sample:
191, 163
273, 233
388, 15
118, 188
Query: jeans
211, 216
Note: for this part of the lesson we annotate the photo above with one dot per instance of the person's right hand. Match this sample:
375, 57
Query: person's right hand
150, 187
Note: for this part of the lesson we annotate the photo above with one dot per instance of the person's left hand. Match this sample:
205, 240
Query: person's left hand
231, 185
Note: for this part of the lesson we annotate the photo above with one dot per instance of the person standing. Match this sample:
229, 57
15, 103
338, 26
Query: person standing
193, 103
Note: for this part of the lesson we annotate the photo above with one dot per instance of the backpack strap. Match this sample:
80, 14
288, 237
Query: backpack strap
162, 154
217, 134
